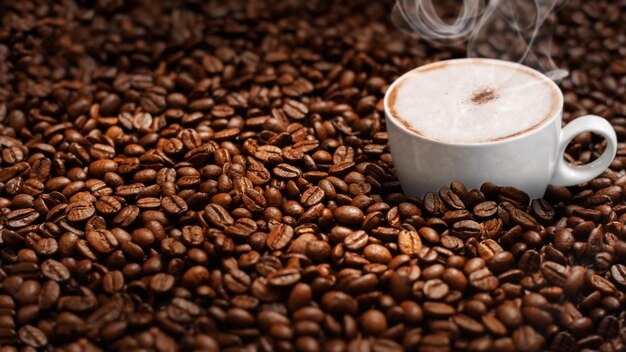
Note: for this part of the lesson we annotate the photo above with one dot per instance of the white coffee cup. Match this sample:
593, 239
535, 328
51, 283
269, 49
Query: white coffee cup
528, 160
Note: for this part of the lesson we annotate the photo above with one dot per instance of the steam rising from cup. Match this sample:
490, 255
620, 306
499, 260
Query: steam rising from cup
513, 30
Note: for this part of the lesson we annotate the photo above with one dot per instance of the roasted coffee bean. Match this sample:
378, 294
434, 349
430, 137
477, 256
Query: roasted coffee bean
483, 280
468, 324
438, 310
21, 217
409, 242
435, 289
542, 210
373, 322
279, 236
287, 171
485, 209
218, 216
32, 336
312, 196
173, 205
348, 215
113, 281
102, 241
554, 272
618, 274
377, 253
79, 211
452, 200
162, 282
284, 277
466, 229
433, 204
527, 339
55, 270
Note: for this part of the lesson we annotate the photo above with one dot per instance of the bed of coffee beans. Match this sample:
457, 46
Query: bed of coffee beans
215, 176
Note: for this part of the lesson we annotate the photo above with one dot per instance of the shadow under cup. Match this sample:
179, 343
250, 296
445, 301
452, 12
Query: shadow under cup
526, 160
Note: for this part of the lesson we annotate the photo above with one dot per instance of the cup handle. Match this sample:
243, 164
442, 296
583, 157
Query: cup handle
567, 174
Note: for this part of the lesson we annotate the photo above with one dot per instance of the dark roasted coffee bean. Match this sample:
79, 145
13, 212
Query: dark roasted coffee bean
543, 210
373, 322
452, 200
55, 270
554, 272
438, 310
279, 236
618, 274
21, 217
32, 336
79, 211
113, 281
284, 277
312, 196
377, 253
483, 280
102, 241
173, 205
466, 229
435, 289
348, 215
409, 242
218, 216
527, 339
287, 171
433, 204
485, 209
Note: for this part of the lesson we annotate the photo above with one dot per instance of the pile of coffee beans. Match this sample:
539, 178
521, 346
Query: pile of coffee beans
215, 176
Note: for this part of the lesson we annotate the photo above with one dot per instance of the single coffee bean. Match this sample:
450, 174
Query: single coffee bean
409, 242
466, 229
337, 302
32, 336
162, 282
79, 211
21, 217
438, 310
618, 274
373, 322
218, 216
468, 324
485, 209
435, 289
348, 215
287, 171
376, 253
312, 196
433, 204
527, 339
173, 205
113, 281
284, 277
55, 270
554, 272
483, 280
279, 236
451, 199
192, 278
102, 241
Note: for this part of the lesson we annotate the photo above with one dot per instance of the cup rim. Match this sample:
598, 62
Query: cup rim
558, 112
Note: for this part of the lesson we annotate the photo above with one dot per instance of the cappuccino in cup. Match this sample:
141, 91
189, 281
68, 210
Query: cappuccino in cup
473, 101
479, 120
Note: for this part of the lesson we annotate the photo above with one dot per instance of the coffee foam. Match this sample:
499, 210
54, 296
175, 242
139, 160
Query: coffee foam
473, 100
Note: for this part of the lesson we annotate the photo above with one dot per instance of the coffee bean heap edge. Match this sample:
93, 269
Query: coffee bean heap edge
215, 176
